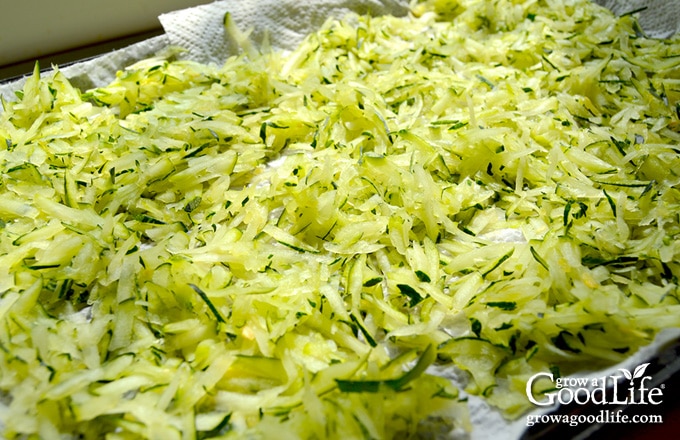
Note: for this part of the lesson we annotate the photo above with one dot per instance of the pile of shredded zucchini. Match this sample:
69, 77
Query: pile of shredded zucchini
281, 246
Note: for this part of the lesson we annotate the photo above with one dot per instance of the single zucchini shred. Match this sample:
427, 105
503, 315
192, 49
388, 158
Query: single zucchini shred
282, 245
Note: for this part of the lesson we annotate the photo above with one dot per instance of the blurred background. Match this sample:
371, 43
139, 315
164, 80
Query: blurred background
62, 31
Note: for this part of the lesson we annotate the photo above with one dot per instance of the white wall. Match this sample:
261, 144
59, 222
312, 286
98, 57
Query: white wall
30, 29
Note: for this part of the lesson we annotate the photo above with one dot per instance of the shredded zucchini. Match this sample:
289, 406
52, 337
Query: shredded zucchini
281, 246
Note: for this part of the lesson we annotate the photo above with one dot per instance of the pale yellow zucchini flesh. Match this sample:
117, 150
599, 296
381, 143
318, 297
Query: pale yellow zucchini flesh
281, 246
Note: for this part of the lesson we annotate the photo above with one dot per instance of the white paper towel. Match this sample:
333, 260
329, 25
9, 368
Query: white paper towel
200, 30
97, 71
658, 18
